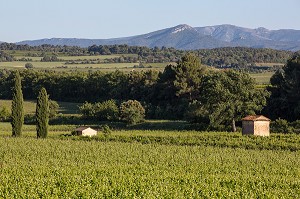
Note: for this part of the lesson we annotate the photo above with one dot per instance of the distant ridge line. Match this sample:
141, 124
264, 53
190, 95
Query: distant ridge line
185, 37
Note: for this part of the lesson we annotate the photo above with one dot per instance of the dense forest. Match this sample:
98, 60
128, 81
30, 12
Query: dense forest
228, 57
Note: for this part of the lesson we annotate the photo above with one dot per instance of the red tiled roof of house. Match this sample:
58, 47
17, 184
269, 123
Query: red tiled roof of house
255, 118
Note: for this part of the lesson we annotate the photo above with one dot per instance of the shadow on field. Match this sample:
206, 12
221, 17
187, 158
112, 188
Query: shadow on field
160, 125
148, 125
68, 107
166, 125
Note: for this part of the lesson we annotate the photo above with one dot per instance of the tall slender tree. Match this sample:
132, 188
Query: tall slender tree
42, 114
17, 111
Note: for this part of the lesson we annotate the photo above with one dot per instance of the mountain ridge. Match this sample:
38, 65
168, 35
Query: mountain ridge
186, 37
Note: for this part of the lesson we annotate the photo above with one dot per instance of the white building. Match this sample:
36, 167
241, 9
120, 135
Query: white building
85, 131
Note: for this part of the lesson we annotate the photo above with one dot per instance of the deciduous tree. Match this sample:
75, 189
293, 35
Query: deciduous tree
132, 112
226, 96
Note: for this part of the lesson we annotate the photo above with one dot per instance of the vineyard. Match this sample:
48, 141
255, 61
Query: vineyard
148, 164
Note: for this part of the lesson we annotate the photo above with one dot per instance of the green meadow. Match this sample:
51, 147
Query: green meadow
262, 78
66, 108
61, 66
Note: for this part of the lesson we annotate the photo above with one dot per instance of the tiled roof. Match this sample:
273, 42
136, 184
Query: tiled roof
81, 128
255, 118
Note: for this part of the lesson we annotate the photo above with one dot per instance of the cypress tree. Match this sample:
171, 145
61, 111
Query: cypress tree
42, 114
17, 111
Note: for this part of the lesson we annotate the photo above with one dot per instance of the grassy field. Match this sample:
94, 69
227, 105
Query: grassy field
65, 108
61, 66
29, 106
269, 64
262, 78
148, 164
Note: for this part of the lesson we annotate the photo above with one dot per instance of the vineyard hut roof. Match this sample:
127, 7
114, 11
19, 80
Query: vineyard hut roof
85, 131
256, 125
255, 118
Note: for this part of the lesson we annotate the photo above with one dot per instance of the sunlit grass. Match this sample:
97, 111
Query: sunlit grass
262, 78
30, 106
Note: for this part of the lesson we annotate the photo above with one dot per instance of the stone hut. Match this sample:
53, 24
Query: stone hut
85, 131
256, 125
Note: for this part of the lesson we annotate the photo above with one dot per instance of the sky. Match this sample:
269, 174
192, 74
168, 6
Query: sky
98, 19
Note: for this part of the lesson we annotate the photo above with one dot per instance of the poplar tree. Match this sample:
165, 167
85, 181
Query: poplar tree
42, 114
17, 111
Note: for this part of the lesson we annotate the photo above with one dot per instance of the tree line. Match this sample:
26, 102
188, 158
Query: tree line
241, 58
71, 50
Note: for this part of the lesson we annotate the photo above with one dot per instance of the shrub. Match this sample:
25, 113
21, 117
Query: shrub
4, 114
132, 112
106, 111
281, 126
106, 130
87, 110
28, 65
50, 58
103, 111
296, 126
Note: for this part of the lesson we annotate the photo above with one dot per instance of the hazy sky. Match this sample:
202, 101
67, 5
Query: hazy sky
97, 19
